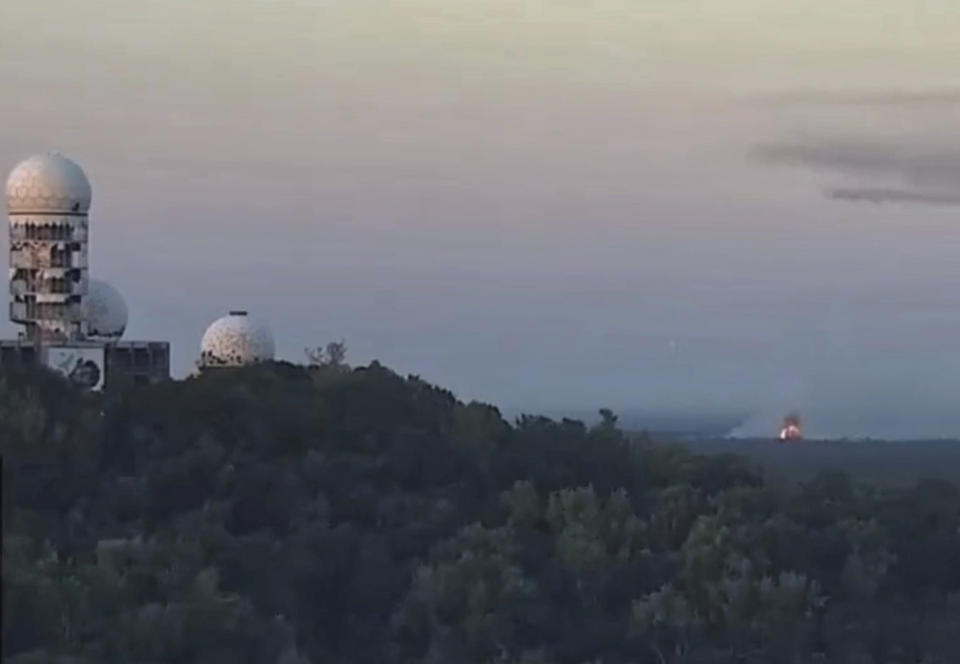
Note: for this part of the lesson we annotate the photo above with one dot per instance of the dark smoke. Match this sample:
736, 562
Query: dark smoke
908, 159
881, 196
791, 419
922, 166
882, 98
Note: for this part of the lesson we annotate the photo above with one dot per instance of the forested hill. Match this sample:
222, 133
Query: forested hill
284, 515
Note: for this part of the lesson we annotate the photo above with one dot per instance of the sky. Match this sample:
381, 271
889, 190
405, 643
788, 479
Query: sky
682, 206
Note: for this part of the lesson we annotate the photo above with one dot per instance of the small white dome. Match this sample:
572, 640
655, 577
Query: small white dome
48, 183
106, 310
236, 340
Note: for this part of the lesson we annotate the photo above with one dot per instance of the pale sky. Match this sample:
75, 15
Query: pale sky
546, 205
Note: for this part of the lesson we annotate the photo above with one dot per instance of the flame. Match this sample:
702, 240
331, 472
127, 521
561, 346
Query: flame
791, 428
791, 432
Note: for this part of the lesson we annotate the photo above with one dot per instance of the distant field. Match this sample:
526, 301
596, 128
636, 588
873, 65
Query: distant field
900, 462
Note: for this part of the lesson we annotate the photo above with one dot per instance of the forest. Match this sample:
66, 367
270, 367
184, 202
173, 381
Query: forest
323, 514
884, 462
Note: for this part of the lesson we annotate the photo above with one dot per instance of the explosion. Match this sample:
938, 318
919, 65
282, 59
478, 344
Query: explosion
791, 429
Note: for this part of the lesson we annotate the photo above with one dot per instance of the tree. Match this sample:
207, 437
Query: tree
287, 514
332, 356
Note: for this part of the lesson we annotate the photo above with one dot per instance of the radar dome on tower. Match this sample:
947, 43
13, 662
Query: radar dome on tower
48, 184
236, 340
106, 311
69, 322
48, 198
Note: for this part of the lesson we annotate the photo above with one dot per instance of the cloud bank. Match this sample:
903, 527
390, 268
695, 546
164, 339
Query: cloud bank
880, 196
925, 169
880, 98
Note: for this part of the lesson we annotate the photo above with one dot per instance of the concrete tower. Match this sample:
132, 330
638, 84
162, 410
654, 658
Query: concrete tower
48, 199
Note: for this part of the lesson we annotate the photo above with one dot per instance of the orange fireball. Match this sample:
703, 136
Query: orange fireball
791, 429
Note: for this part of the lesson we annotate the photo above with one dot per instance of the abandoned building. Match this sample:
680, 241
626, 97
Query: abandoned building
69, 322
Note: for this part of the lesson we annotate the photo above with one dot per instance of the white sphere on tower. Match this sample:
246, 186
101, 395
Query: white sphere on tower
48, 198
106, 311
48, 183
236, 340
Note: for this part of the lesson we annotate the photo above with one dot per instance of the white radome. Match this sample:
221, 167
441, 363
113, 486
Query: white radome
236, 340
48, 183
106, 311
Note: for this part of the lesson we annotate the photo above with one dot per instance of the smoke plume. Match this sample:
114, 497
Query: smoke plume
916, 161
943, 97
920, 166
880, 196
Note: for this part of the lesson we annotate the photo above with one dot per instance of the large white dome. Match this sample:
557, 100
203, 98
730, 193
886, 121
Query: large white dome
106, 310
48, 183
236, 340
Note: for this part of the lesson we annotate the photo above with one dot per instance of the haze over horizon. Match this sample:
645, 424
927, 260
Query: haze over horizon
677, 207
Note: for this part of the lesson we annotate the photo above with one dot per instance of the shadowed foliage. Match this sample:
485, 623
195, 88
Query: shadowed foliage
286, 514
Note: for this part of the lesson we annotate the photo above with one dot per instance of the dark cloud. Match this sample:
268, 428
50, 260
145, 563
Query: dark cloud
886, 98
899, 169
879, 196
915, 160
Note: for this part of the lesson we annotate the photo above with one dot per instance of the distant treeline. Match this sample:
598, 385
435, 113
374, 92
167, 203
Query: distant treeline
883, 462
285, 515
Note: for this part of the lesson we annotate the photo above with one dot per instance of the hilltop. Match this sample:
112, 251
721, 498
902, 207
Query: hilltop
278, 514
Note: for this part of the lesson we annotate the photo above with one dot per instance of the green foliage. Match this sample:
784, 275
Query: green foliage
296, 515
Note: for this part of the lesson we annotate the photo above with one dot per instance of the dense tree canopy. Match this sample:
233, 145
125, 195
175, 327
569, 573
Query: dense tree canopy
328, 515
